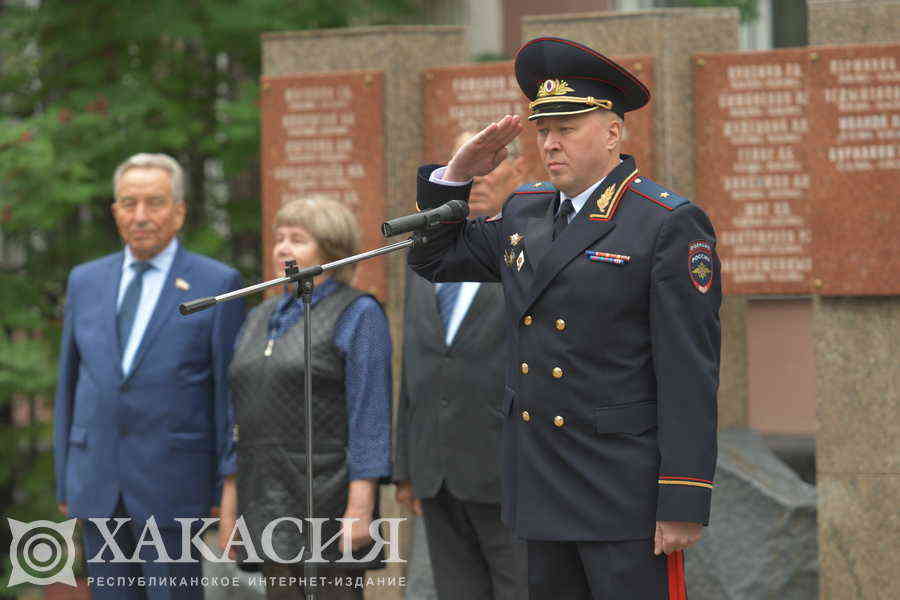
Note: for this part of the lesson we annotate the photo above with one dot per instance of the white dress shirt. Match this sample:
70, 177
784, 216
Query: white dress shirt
154, 279
464, 300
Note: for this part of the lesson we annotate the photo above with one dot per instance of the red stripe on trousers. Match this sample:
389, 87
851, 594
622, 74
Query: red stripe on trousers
675, 571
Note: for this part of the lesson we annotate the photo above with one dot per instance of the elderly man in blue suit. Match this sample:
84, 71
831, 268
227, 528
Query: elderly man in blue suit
142, 421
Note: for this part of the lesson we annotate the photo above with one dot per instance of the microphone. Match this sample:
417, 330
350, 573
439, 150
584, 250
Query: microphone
455, 210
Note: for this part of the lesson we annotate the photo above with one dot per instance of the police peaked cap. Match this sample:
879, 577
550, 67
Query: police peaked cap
562, 77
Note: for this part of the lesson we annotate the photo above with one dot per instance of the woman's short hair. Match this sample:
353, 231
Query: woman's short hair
330, 223
154, 161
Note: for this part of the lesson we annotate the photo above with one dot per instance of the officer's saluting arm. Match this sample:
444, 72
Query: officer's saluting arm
684, 318
463, 251
470, 250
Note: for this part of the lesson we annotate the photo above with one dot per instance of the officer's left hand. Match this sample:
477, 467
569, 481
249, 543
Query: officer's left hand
672, 536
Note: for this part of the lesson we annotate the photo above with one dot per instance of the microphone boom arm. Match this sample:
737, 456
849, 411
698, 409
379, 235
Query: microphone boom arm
306, 273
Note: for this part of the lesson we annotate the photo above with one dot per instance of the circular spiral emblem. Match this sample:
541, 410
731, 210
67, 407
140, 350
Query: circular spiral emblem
42, 552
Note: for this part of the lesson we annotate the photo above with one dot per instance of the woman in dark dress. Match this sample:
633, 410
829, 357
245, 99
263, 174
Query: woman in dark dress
351, 362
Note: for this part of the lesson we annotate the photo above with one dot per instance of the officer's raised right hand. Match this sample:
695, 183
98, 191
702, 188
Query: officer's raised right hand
484, 150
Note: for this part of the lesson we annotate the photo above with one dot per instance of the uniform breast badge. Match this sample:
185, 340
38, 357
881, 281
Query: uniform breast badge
509, 257
700, 265
607, 257
181, 284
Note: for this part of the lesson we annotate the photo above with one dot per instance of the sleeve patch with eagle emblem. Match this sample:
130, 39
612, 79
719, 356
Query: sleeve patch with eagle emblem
700, 265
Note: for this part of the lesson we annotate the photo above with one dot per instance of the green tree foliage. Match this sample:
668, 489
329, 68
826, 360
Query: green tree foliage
83, 85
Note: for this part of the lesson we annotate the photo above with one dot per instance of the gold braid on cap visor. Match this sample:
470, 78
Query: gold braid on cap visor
594, 102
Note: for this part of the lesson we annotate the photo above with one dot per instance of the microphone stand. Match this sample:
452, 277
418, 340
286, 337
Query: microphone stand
304, 279
297, 276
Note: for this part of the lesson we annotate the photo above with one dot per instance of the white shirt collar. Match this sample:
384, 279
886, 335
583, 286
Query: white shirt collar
161, 261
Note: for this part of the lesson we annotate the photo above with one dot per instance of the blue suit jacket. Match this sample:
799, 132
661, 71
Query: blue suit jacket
162, 435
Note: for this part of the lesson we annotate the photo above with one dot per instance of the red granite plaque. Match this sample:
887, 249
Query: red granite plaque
855, 162
467, 98
639, 123
798, 163
752, 173
323, 134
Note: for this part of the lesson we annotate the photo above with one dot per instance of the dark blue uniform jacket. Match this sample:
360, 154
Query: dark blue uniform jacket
610, 400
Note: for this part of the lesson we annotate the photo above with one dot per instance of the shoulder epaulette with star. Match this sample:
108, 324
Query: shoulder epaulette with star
656, 193
541, 187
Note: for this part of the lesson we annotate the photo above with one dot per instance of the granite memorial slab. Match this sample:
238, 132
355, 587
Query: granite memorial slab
752, 171
798, 160
323, 134
855, 167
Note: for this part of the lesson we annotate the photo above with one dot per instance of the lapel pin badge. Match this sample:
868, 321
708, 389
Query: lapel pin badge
509, 256
520, 261
514, 239
181, 284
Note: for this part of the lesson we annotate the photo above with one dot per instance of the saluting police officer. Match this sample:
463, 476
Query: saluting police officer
612, 290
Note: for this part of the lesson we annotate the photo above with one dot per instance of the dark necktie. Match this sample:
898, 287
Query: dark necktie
131, 299
447, 294
562, 217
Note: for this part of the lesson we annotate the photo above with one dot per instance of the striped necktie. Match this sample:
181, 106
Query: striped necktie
562, 217
130, 301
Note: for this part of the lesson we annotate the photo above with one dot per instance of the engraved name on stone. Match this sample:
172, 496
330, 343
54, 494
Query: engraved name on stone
478, 100
868, 113
318, 129
767, 123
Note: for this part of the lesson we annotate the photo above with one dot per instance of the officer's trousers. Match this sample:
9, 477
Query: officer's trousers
603, 571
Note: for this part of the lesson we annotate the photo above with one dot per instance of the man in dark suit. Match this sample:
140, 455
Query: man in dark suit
142, 421
448, 424
612, 292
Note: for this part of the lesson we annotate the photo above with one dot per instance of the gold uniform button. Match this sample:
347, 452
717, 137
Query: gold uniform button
557, 373
560, 324
525, 416
524, 368
559, 421
528, 320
